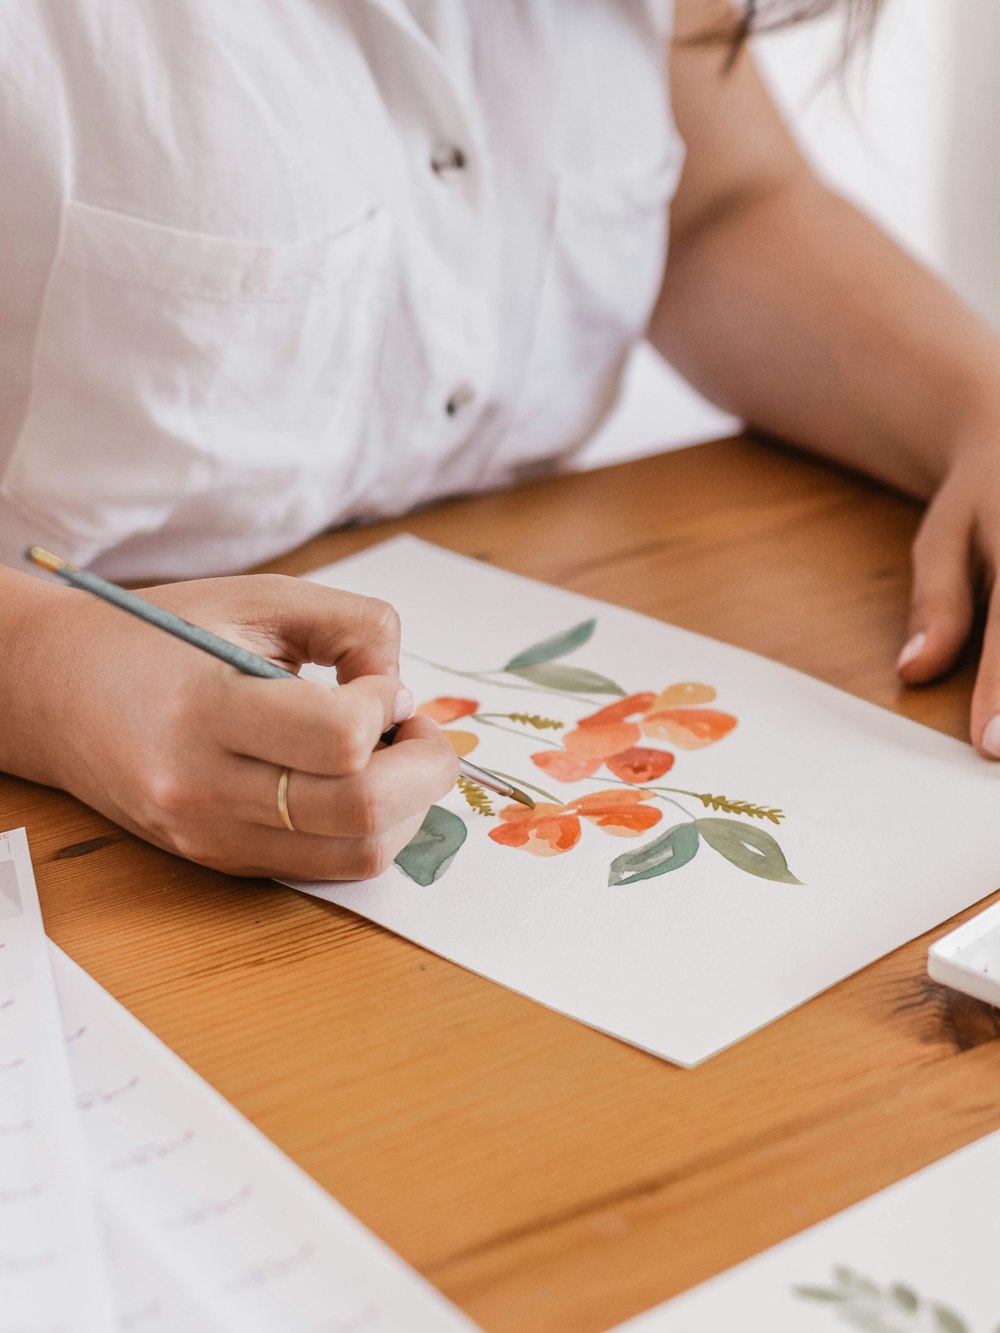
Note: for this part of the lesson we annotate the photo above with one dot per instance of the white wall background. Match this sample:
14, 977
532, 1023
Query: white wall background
911, 133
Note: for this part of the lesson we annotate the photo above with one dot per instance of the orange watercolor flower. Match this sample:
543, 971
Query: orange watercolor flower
610, 735
551, 830
688, 728
446, 709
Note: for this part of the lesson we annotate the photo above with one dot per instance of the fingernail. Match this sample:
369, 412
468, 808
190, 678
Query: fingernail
991, 736
404, 705
912, 650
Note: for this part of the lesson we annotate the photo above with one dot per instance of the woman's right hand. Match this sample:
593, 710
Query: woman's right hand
187, 753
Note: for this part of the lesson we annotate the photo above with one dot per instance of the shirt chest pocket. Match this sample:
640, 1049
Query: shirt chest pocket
183, 378
603, 274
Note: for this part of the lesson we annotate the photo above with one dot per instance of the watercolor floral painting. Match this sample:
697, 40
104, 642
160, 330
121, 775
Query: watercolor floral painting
631, 743
715, 839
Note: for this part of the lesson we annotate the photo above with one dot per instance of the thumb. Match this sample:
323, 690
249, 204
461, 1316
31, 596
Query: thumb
299, 621
941, 606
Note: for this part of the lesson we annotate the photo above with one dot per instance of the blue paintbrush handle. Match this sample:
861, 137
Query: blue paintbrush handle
241, 658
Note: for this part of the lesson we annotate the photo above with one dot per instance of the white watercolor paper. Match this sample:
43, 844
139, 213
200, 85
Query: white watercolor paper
53, 1270
890, 827
920, 1257
212, 1227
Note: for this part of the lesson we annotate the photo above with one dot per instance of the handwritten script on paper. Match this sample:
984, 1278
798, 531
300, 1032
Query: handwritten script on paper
134, 1197
222, 1219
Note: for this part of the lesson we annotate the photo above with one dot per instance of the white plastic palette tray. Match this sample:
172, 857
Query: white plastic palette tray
968, 959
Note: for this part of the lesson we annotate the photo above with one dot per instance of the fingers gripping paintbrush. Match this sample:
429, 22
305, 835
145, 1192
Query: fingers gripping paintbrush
240, 658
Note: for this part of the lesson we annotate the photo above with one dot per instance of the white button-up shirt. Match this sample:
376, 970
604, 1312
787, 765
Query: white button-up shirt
270, 266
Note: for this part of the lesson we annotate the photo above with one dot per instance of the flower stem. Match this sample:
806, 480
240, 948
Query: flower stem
679, 791
485, 678
639, 786
484, 718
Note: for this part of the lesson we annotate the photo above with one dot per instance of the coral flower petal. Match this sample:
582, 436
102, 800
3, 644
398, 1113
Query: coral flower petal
565, 767
688, 728
620, 711
610, 799
620, 812
462, 742
641, 764
599, 742
554, 836
629, 824
510, 835
548, 830
685, 695
445, 709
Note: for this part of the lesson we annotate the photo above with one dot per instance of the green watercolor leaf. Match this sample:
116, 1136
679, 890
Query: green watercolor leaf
748, 848
823, 1294
947, 1320
905, 1298
575, 680
429, 853
556, 646
670, 851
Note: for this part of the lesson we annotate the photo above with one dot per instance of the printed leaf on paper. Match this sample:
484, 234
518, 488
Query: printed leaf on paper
905, 1297
947, 1320
895, 1309
825, 1295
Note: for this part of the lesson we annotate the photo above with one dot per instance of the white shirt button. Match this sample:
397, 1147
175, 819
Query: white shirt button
460, 397
447, 159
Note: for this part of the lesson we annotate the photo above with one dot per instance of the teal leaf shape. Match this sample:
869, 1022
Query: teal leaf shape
430, 852
572, 679
557, 646
670, 851
748, 848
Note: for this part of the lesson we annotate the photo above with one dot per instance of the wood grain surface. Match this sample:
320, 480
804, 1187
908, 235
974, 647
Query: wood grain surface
547, 1178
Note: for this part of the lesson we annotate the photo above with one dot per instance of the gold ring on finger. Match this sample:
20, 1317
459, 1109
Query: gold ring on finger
286, 818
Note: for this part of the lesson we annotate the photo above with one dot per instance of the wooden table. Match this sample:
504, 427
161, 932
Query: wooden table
547, 1178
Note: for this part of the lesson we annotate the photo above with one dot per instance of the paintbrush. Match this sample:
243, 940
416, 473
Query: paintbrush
240, 658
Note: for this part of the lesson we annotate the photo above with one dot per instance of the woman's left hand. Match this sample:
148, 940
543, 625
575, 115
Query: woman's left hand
956, 557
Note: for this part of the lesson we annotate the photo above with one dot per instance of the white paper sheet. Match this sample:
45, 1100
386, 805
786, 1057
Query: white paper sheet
53, 1273
149, 1300
920, 1257
134, 1198
890, 827
207, 1216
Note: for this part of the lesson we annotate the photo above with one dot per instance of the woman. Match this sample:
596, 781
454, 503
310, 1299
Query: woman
270, 267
